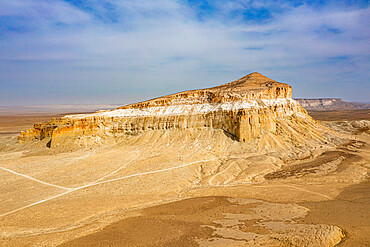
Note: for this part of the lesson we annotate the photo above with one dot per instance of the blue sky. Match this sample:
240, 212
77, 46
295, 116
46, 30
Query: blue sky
111, 51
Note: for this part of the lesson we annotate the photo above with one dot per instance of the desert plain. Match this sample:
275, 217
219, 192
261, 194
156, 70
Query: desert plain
196, 187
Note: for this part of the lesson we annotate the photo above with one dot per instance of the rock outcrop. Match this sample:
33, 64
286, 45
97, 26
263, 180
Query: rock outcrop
243, 109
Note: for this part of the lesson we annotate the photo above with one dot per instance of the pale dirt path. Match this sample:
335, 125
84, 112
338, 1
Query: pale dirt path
297, 188
217, 174
146, 173
256, 185
33, 204
96, 182
115, 171
103, 182
35, 179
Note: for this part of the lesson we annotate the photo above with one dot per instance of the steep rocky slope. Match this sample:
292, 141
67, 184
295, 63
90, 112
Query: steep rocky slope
251, 107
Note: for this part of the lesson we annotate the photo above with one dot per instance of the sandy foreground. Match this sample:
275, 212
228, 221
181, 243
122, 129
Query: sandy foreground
189, 188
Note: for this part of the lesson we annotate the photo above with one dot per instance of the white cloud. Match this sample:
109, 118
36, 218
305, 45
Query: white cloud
165, 44
42, 12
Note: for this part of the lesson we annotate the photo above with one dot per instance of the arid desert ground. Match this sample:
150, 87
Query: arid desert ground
196, 187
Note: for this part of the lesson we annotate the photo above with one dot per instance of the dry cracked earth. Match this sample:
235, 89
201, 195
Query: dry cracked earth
184, 188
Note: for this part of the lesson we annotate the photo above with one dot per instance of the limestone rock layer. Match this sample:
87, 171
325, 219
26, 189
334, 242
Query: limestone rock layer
243, 108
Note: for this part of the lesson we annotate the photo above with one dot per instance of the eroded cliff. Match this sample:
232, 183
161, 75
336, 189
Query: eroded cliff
244, 108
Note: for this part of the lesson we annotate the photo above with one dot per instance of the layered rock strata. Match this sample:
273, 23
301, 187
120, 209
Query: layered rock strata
242, 108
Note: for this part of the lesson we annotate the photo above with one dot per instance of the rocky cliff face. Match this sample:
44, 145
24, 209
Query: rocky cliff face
244, 108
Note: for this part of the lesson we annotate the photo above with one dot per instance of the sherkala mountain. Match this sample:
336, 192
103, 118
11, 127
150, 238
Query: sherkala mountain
251, 108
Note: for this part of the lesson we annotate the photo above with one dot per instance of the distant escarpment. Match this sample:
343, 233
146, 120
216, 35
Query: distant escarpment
330, 104
251, 107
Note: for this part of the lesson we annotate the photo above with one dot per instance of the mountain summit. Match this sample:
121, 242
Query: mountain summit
252, 80
250, 87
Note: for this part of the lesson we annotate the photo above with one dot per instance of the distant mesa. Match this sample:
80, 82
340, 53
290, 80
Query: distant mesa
251, 107
330, 104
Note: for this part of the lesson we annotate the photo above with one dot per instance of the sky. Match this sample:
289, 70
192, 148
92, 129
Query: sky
121, 51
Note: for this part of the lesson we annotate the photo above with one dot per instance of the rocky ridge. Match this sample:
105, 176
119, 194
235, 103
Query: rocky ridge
251, 107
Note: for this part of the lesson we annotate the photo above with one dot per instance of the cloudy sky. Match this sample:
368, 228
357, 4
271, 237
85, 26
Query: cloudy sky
122, 51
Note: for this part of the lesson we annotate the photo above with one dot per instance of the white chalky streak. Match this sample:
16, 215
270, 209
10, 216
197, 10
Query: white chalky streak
184, 109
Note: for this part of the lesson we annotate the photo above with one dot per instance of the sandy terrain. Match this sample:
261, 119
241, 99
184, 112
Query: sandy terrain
190, 188
341, 115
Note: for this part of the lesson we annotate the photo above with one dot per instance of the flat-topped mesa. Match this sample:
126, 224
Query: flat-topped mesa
243, 108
